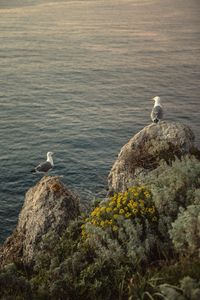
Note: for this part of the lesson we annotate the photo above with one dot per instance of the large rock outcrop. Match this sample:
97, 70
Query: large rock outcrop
143, 152
48, 206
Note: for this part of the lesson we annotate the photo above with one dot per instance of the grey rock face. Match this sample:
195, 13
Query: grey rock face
143, 152
48, 206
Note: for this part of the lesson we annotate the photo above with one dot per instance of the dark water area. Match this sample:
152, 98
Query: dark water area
76, 78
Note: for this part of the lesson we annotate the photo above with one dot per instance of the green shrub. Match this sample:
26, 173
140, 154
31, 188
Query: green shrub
188, 289
173, 186
134, 204
74, 269
185, 232
13, 285
166, 281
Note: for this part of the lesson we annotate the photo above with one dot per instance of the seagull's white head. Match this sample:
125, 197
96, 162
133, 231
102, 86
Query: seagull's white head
157, 100
50, 158
49, 154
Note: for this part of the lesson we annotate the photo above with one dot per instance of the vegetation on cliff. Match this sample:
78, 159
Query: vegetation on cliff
139, 244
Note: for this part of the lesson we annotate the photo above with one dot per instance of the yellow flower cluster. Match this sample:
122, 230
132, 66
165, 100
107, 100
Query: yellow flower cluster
134, 203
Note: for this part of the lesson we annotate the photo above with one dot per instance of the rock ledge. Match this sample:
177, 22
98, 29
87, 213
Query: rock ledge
143, 152
48, 206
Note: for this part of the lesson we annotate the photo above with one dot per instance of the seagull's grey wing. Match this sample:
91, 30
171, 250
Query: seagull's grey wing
43, 167
157, 113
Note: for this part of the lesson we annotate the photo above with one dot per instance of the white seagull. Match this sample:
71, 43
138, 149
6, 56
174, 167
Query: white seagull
157, 111
45, 166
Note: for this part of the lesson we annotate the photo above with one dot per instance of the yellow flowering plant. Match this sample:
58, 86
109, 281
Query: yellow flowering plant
135, 203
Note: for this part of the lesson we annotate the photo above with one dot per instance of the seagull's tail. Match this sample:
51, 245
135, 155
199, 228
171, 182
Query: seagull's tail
33, 171
156, 120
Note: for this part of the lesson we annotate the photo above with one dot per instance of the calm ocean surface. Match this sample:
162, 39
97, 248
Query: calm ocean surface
76, 78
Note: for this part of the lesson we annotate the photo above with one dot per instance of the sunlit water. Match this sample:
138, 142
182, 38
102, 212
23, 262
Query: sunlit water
76, 78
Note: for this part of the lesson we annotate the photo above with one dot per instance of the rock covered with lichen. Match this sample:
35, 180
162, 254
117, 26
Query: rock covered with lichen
48, 207
144, 151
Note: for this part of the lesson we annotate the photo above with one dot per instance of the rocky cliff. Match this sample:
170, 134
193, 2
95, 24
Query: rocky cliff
143, 152
48, 206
